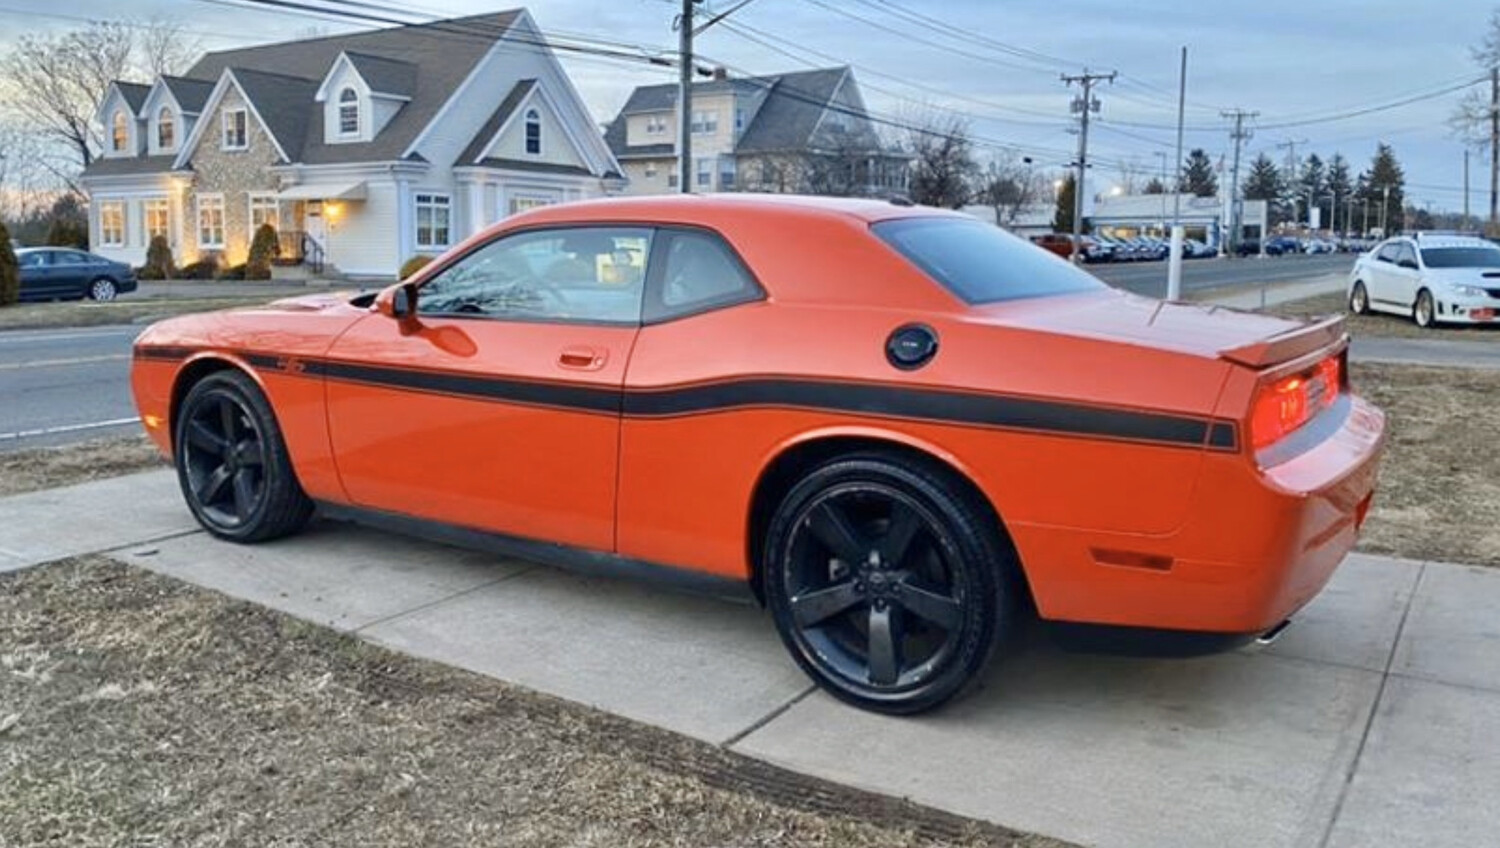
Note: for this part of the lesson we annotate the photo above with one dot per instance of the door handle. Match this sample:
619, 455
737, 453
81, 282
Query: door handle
582, 358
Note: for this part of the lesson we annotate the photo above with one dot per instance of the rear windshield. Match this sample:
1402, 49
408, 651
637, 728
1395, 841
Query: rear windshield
1461, 257
979, 262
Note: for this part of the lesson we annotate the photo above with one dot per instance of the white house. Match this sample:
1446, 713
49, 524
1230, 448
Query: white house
363, 150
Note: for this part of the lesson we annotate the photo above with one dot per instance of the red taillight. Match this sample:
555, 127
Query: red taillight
1283, 406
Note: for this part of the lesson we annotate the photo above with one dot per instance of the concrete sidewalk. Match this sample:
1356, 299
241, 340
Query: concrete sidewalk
1371, 723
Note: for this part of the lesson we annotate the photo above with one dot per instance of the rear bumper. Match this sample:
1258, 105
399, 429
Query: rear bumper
1258, 545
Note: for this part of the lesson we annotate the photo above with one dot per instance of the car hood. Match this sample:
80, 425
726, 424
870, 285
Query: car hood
1116, 316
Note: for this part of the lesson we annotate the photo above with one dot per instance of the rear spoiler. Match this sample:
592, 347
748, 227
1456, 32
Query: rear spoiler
1289, 345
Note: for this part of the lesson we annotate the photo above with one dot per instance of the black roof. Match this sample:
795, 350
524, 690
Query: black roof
122, 166
191, 94
502, 113
134, 93
385, 76
283, 103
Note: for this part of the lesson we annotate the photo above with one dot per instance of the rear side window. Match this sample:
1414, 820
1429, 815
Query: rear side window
979, 262
695, 271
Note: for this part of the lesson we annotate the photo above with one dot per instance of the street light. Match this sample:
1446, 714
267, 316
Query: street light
1384, 199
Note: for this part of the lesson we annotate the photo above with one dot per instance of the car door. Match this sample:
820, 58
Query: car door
1380, 270
1405, 276
35, 270
69, 274
497, 406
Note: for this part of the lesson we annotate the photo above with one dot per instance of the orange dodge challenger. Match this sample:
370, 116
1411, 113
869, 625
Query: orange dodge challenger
899, 427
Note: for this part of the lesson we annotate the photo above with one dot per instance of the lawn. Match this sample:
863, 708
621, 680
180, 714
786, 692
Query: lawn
86, 313
139, 710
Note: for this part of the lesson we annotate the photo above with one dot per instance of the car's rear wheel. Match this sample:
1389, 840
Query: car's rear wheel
232, 462
1423, 312
1359, 300
103, 289
888, 584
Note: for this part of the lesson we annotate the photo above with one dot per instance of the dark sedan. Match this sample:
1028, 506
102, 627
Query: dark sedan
62, 273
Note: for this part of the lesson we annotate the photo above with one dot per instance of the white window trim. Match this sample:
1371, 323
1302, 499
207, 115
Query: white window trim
146, 234
118, 145
359, 113
416, 206
176, 129
198, 221
250, 198
532, 116
224, 129
104, 240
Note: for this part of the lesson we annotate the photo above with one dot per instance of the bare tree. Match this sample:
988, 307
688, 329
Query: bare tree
1009, 185
58, 81
943, 166
1473, 118
164, 49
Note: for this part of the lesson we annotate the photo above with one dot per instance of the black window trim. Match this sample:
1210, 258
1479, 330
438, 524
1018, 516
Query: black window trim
655, 311
439, 270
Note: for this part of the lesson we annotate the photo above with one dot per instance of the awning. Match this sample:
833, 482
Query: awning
321, 191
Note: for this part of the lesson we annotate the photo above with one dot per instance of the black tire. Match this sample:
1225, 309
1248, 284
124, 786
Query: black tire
232, 462
1424, 311
1359, 299
102, 289
872, 543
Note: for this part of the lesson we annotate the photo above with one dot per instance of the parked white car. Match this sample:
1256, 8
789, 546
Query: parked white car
1434, 279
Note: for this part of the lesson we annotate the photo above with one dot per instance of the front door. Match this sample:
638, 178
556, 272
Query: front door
500, 408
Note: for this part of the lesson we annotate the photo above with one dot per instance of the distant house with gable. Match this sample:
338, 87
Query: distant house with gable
362, 150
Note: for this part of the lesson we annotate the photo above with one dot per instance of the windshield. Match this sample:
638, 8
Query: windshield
979, 262
1461, 257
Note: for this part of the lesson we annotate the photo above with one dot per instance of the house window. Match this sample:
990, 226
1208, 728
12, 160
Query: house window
120, 136
112, 223
726, 172
263, 210
166, 129
656, 124
739, 119
705, 122
211, 220
433, 212
705, 172
158, 216
235, 130
348, 112
672, 179
650, 170
522, 203
533, 132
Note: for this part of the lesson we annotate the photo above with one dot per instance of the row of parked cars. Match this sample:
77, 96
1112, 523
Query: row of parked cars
1287, 245
1103, 248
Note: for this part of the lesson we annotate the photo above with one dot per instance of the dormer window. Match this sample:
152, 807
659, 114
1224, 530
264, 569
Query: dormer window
533, 132
120, 133
348, 112
166, 129
236, 130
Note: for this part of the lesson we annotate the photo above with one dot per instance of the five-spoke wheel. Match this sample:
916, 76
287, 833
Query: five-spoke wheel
886, 583
232, 464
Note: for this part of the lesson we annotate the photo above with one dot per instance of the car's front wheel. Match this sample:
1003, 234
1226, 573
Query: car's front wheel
1424, 312
888, 583
103, 289
1359, 300
232, 462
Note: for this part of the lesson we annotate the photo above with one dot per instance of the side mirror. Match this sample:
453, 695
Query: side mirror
398, 302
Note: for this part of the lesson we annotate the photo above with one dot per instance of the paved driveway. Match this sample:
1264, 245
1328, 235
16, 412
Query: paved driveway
1370, 723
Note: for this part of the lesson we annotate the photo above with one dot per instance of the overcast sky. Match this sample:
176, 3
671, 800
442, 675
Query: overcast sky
1288, 60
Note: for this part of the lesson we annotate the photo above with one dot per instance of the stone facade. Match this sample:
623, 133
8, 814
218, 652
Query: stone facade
234, 174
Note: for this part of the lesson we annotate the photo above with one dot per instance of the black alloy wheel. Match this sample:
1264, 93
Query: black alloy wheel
888, 585
232, 464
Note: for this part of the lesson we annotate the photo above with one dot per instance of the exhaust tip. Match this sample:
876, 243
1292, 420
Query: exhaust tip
1270, 636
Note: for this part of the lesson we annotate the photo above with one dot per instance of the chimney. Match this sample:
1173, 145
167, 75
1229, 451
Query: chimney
721, 74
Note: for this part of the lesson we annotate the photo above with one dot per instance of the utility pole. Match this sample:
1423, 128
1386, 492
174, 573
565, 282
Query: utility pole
1385, 199
1466, 189
1291, 171
685, 98
1494, 147
1240, 136
1083, 106
1174, 261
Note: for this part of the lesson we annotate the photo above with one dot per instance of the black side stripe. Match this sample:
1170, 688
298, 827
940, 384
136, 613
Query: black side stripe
163, 353
965, 408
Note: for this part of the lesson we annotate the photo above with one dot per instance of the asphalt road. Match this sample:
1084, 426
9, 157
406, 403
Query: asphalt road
1150, 278
60, 386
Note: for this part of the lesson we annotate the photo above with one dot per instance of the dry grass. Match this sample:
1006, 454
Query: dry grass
48, 468
135, 709
32, 316
1439, 495
1379, 324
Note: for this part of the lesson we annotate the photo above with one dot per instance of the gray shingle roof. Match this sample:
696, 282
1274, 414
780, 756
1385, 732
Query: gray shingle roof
128, 166
386, 76
536, 167
502, 113
284, 103
134, 93
791, 112
443, 54
191, 94
786, 121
